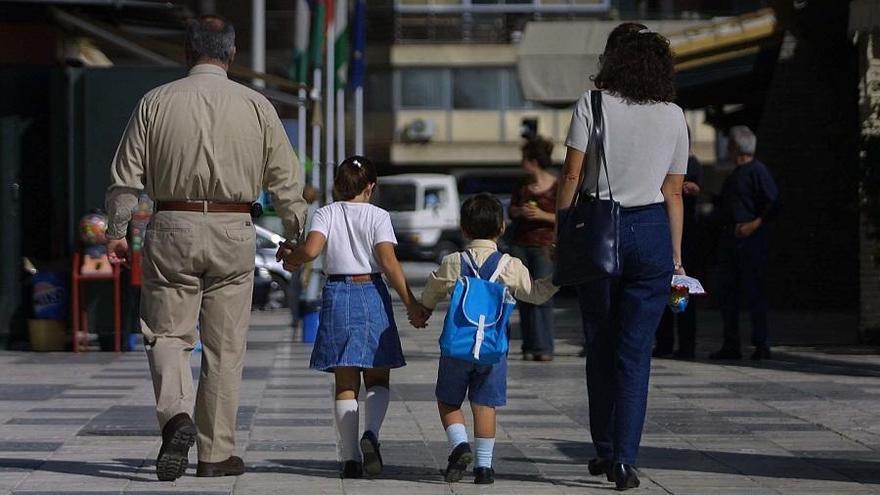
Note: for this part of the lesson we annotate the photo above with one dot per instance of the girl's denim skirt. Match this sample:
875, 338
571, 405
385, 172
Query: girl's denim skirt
357, 327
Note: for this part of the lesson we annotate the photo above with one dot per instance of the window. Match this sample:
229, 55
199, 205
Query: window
378, 91
423, 88
435, 197
515, 98
396, 197
476, 89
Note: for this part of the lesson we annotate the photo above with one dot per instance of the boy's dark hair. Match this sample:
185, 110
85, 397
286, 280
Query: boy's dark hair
540, 150
352, 176
482, 217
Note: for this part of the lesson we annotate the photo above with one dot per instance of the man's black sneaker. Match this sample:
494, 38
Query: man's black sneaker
761, 352
484, 476
726, 353
459, 460
372, 456
352, 470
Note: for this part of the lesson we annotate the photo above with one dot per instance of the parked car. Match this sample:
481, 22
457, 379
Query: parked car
271, 280
424, 211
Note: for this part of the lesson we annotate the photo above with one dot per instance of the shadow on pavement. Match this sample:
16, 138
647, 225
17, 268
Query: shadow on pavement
773, 466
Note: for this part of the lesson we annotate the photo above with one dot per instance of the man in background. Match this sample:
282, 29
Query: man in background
749, 199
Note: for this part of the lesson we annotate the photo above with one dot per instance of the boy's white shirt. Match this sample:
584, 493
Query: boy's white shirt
515, 276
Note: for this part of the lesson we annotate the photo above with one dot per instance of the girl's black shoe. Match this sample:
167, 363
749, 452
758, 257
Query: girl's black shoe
625, 476
459, 460
372, 456
599, 466
484, 476
352, 470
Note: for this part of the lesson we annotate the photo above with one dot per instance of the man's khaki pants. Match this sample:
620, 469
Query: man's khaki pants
198, 268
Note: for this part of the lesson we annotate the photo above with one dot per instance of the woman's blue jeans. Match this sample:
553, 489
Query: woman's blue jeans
536, 321
620, 317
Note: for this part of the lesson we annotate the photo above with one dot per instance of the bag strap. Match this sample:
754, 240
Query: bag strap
492, 266
595, 148
468, 265
599, 133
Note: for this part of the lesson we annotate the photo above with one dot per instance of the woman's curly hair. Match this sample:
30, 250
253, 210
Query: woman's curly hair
540, 150
637, 65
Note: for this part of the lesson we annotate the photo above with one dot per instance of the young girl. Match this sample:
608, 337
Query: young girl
357, 334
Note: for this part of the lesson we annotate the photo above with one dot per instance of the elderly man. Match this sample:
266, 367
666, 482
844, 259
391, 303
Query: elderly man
203, 148
749, 199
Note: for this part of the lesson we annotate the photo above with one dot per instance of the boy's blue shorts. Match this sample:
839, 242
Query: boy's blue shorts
483, 385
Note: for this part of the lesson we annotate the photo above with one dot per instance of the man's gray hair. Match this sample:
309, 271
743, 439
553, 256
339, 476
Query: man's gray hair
744, 139
211, 36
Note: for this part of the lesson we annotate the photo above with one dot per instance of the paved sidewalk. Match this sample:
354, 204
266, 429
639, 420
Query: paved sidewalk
84, 424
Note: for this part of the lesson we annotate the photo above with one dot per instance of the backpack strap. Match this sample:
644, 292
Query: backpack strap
493, 266
468, 265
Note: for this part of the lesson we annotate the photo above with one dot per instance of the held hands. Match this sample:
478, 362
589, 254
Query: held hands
747, 229
418, 315
285, 254
117, 250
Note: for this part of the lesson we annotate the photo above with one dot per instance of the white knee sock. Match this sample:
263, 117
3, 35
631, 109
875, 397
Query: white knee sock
485, 447
375, 407
456, 433
346, 412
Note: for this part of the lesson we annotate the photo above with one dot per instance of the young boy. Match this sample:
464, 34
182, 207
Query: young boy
482, 221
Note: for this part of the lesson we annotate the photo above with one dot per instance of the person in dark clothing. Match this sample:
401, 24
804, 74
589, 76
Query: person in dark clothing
687, 320
749, 199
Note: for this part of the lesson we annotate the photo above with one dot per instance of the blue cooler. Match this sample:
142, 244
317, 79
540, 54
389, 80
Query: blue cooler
50, 296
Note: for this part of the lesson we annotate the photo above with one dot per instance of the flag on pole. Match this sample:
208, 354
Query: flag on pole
358, 71
342, 45
299, 72
359, 40
319, 28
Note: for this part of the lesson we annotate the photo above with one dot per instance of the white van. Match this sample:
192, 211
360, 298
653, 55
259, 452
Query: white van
424, 211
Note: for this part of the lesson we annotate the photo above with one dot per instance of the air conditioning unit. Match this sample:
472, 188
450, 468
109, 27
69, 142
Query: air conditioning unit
419, 131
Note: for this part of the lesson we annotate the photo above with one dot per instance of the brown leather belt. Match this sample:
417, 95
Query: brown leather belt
203, 206
355, 279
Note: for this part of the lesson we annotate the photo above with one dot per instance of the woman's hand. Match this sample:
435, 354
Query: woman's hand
418, 315
534, 213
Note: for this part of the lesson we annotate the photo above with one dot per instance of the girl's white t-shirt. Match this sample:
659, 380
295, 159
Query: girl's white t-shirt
352, 230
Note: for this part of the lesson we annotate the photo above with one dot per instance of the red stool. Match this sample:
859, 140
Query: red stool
80, 315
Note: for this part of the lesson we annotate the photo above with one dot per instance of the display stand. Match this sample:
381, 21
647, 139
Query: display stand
78, 295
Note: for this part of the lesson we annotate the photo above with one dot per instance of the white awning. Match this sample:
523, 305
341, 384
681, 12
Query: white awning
556, 59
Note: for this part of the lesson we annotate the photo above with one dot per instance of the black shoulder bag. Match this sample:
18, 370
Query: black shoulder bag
588, 231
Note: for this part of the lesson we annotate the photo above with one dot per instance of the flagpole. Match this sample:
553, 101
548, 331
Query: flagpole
258, 39
359, 46
330, 59
316, 132
341, 73
359, 120
302, 123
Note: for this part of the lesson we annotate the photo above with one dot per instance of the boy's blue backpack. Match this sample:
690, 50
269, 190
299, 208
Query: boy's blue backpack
475, 328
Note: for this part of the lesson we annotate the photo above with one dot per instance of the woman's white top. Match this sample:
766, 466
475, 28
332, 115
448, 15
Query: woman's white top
352, 230
643, 143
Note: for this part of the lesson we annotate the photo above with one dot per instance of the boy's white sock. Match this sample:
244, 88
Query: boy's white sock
346, 412
375, 407
485, 447
456, 433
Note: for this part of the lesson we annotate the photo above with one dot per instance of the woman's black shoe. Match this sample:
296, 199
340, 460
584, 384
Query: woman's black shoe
625, 477
353, 470
762, 352
484, 476
459, 460
599, 466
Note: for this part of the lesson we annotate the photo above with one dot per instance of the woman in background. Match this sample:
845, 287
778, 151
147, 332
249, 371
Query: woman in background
533, 210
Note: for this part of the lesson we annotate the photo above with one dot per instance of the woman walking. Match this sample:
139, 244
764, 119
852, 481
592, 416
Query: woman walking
533, 209
646, 147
